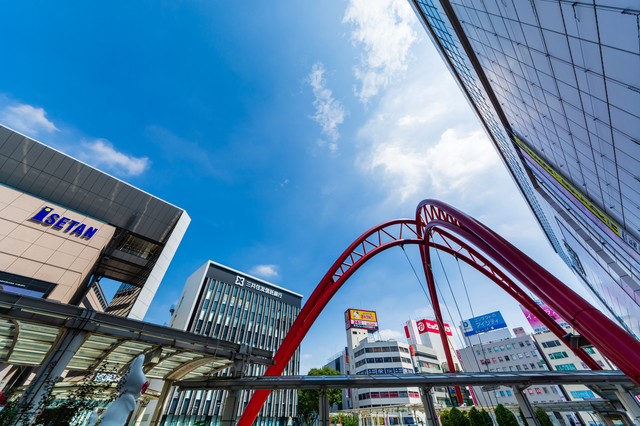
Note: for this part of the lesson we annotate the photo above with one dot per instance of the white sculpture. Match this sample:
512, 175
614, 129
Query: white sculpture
132, 385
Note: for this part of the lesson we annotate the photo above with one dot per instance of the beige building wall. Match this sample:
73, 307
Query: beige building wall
43, 252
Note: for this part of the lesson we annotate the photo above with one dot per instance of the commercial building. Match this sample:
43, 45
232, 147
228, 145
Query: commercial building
556, 86
226, 304
504, 355
426, 332
64, 225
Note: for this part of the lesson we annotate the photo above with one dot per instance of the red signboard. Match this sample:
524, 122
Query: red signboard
425, 326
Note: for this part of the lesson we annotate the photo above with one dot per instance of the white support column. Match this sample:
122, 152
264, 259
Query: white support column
630, 404
527, 409
323, 415
429, 410
230, 409
400, 417
161, 403
52, 368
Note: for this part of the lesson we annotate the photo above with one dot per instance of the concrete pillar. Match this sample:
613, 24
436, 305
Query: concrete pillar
323, 408
385, 413
136, 416
630, 404
371, 417
527, 409
400, 418
429, 410
161, 403
46, 377
230, 409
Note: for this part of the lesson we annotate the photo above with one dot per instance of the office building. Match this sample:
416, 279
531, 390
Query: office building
504, 355
556, 86
230, 305
65, 225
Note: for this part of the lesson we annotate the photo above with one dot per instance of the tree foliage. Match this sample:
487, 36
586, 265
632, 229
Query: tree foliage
476, 417
543, 417
309, 399
445, 418
350, 419
457, 418
505, 417
488, 420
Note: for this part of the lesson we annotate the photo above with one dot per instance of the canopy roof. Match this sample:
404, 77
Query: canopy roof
30, 328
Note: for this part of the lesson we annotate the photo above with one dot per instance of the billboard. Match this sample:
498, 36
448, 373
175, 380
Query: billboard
483, 323
536, 324
428, 326
357, 318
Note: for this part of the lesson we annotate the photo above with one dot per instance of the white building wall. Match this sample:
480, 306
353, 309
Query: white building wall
141, 305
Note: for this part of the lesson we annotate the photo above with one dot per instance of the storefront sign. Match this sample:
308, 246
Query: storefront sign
536, 324
356, 318
427, 326
65, 224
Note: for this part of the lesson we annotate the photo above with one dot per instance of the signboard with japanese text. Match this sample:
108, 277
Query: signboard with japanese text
483, 323
357, 318
428, 326
536, 324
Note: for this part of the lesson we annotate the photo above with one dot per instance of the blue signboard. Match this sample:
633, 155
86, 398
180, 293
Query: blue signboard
483, 323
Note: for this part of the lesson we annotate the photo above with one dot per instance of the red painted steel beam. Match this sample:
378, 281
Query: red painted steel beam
438, 215
611, 340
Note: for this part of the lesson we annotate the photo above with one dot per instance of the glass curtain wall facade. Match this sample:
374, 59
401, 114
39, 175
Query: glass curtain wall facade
556, 85
237, 308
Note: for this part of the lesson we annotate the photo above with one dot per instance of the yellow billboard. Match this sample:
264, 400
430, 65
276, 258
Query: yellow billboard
357, 318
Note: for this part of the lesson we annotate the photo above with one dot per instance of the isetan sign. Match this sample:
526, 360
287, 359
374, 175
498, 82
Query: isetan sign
66, 224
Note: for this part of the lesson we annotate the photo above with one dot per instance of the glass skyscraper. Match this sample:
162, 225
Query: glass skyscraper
230, 305
556, 85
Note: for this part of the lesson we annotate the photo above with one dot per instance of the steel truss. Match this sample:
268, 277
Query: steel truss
470, 240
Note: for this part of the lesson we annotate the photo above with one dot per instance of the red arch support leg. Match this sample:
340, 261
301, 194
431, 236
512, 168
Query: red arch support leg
621, 348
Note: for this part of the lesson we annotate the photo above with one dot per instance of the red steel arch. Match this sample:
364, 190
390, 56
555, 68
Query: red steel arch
435, 217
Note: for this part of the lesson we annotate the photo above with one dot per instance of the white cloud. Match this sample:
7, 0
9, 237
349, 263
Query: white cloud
329, 112
420, 140
27, 119
385, 28
391, 334
307, 356
265, 271
101, 153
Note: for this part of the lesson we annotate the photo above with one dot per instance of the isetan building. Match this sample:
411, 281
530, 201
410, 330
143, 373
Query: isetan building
64, 225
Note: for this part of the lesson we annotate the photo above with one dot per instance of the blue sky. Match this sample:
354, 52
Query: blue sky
285, 130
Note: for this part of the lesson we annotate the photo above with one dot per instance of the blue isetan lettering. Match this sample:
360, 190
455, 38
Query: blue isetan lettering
42, 214
79, 230
52, 219
61, 222
90, 232
71, 225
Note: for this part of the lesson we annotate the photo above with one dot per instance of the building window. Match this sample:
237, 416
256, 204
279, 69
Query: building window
502, 393
509, 393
